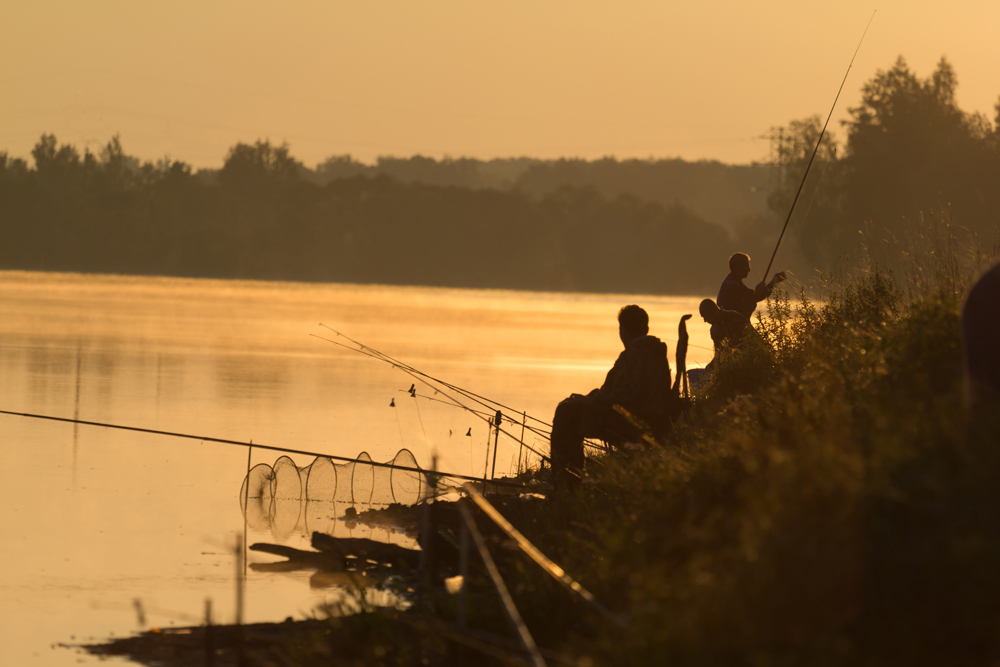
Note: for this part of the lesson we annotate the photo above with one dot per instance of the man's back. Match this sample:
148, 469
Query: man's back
734, 295
640, 379
729, 330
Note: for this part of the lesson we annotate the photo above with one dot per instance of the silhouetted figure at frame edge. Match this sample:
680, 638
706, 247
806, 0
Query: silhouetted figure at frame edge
981, 337
734, 295
728, 327
639, 381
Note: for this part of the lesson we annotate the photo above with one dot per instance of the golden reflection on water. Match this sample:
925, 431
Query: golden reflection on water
101, 517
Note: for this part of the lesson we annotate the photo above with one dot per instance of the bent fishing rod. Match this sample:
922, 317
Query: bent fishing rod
816, 149
240, 443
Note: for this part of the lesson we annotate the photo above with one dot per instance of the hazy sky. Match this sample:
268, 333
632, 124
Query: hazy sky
554, 78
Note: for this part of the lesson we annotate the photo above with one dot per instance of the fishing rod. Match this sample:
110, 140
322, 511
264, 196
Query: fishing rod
485, 415
489, 403
417, 376
240, 443
420, 376
372, 353
816, 149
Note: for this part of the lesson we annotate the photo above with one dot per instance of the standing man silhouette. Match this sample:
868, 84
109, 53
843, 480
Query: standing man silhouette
734, 295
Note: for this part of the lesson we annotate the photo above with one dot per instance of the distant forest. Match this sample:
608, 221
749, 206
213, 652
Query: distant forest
725, 195
653, 226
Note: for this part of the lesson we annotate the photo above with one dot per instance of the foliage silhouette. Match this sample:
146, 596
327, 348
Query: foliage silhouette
260, 217
910, 152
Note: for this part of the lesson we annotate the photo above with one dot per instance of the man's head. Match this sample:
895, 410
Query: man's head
633, 322
739, 265
709, 311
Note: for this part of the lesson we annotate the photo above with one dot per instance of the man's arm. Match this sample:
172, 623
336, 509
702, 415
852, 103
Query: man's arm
763, 291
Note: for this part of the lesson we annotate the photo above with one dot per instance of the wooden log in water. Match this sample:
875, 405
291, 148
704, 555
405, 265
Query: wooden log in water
298, 559
365, 549
337, 554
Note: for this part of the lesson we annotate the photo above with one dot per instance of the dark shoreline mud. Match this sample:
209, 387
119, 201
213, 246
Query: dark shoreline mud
373, 636
304, 642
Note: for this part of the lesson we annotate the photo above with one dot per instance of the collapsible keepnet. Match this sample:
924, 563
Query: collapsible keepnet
279, 496
361, 481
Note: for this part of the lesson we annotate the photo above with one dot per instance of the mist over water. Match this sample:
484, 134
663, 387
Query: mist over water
99, 517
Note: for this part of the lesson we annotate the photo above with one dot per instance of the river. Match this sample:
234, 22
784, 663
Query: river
109, 532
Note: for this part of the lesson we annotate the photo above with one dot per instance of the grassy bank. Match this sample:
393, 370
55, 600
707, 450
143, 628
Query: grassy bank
829, 500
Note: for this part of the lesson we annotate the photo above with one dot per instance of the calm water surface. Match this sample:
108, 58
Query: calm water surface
97, 518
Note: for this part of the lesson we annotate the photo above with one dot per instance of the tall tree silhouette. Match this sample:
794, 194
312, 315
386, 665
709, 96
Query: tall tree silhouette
910, 152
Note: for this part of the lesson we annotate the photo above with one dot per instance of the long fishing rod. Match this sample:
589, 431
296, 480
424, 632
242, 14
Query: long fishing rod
420, 376
417, 376
816, 149
409, 371
401, 364
485, 415
240, 443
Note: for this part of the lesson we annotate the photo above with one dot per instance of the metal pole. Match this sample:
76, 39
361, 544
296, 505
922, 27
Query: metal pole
246, 507
240, 660
209, 643
520, 450
486, 464
239, 580
496, 420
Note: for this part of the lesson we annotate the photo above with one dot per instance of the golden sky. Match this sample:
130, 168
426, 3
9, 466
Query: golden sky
545, 78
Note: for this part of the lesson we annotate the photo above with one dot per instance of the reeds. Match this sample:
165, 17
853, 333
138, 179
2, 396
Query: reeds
828, 501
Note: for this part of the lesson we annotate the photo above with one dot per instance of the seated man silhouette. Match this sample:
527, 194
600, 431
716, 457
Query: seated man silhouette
734, 295
728, 327
639, 383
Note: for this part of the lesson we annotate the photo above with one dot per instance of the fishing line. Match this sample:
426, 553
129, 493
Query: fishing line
240, 443
468, 394
816, 149
399, 425
422, 429
805, 216
417, 376
534, 429
409, 370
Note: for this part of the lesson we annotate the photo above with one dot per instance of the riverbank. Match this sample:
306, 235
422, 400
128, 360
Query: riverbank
830, 500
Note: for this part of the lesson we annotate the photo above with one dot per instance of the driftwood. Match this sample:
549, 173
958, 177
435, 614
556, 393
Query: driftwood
354, 556
365, 550
338, 554
298, 559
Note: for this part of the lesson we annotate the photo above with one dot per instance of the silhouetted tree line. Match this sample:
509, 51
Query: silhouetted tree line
603, 225
726, 195
259, 217
910, 156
